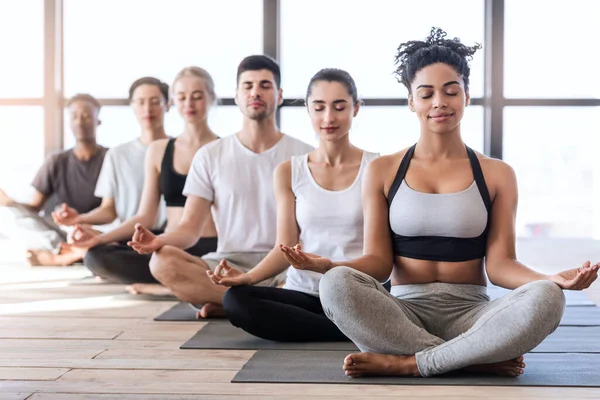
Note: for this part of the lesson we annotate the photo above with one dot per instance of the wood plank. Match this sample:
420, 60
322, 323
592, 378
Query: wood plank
288, 390
182, 334
48, 354
57, 333
32, 374
69, 396
105, 323
143, 359
15, 396
138, 310
98, 344
138, 377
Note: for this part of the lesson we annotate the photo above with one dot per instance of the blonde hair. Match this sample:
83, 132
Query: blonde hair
198, 73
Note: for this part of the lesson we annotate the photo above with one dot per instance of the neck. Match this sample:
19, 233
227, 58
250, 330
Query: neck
84, 150
335, 153
259, 136
434, 145
198, 133
151, 134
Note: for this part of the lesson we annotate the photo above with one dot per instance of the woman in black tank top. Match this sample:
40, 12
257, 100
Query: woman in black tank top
167, 163
438, 317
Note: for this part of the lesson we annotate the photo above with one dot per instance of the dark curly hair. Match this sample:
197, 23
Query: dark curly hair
414, 55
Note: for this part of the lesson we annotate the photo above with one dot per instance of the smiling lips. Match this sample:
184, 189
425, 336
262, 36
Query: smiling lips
330, 129
441, 117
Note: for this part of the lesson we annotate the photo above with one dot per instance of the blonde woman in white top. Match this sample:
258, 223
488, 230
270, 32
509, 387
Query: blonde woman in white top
318, 208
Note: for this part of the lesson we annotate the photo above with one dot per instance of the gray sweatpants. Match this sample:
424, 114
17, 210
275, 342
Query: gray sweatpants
447, 326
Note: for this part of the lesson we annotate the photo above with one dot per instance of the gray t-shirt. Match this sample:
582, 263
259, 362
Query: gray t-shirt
122, 178
71, 180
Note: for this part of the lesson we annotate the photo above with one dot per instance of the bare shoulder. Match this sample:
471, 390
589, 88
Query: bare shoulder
495, 168
283, 174
156, 151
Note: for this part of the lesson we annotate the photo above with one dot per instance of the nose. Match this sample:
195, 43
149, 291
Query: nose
328, 116
255, 91
439, 101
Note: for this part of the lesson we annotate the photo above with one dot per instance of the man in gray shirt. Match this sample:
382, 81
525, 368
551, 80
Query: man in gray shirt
68, 178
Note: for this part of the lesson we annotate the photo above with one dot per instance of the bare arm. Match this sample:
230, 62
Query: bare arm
34, 205
150, 201
195, 215
377, 260
501, 262
287, 226
103, 214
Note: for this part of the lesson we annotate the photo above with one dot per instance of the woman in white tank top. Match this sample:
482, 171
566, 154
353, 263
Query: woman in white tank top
319, 209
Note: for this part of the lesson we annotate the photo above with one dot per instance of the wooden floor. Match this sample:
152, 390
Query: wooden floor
62, 339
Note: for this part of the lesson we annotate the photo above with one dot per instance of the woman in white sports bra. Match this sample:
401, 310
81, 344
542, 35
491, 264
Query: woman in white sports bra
319, 206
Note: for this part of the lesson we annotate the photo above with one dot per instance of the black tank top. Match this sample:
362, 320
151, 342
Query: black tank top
171, 182
437, 248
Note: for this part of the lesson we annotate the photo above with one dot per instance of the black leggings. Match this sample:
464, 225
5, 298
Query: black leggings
279, 314
119, 263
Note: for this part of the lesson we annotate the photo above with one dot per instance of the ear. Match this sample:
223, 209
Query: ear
467, 99
356, 108
235, 97
280, 97
99, 123
411, 104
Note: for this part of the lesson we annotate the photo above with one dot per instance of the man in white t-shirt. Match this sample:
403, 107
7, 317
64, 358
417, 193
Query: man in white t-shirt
234, 176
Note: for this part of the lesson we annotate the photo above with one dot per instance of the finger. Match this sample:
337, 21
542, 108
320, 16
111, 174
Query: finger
291, 254
213, 278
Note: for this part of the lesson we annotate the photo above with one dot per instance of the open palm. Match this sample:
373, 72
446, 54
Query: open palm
577, 278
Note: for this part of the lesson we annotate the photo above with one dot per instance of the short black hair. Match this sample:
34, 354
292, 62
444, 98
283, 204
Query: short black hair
334, 75
414, 55
258, 62
84, 97
148, 80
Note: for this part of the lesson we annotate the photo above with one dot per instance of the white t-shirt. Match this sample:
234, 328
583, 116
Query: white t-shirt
330, 222
122, 178
239, 183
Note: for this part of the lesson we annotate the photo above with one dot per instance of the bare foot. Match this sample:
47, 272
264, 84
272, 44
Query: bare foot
148, 288
211, 310
100, 279
512, 367
359, 364
64, 258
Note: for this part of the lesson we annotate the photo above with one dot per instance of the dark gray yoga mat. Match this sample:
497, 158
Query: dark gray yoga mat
223, 335
293, 366
574, 298
581, 316
144, 296
181, 312
571, 339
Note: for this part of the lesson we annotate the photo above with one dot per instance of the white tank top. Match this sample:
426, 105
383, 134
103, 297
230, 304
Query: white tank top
330, 222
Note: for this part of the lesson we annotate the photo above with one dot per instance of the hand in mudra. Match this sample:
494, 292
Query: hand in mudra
577, 278
306, 261
226, 275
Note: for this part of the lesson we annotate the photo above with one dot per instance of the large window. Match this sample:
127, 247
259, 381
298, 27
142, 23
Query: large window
382, 129
22, 48
110, 43
554, 153
554, 56
362, 37
119, 124
22, 150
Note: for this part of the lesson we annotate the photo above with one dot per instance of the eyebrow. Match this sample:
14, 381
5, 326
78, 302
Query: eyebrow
195, 91
261, 82
444, 85
334, 102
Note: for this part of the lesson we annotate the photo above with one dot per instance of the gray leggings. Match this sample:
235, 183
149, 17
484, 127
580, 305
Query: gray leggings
446, 326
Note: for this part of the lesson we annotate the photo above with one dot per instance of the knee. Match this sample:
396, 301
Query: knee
237, 302
337, 284
96, 260
549, 299
164, 262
